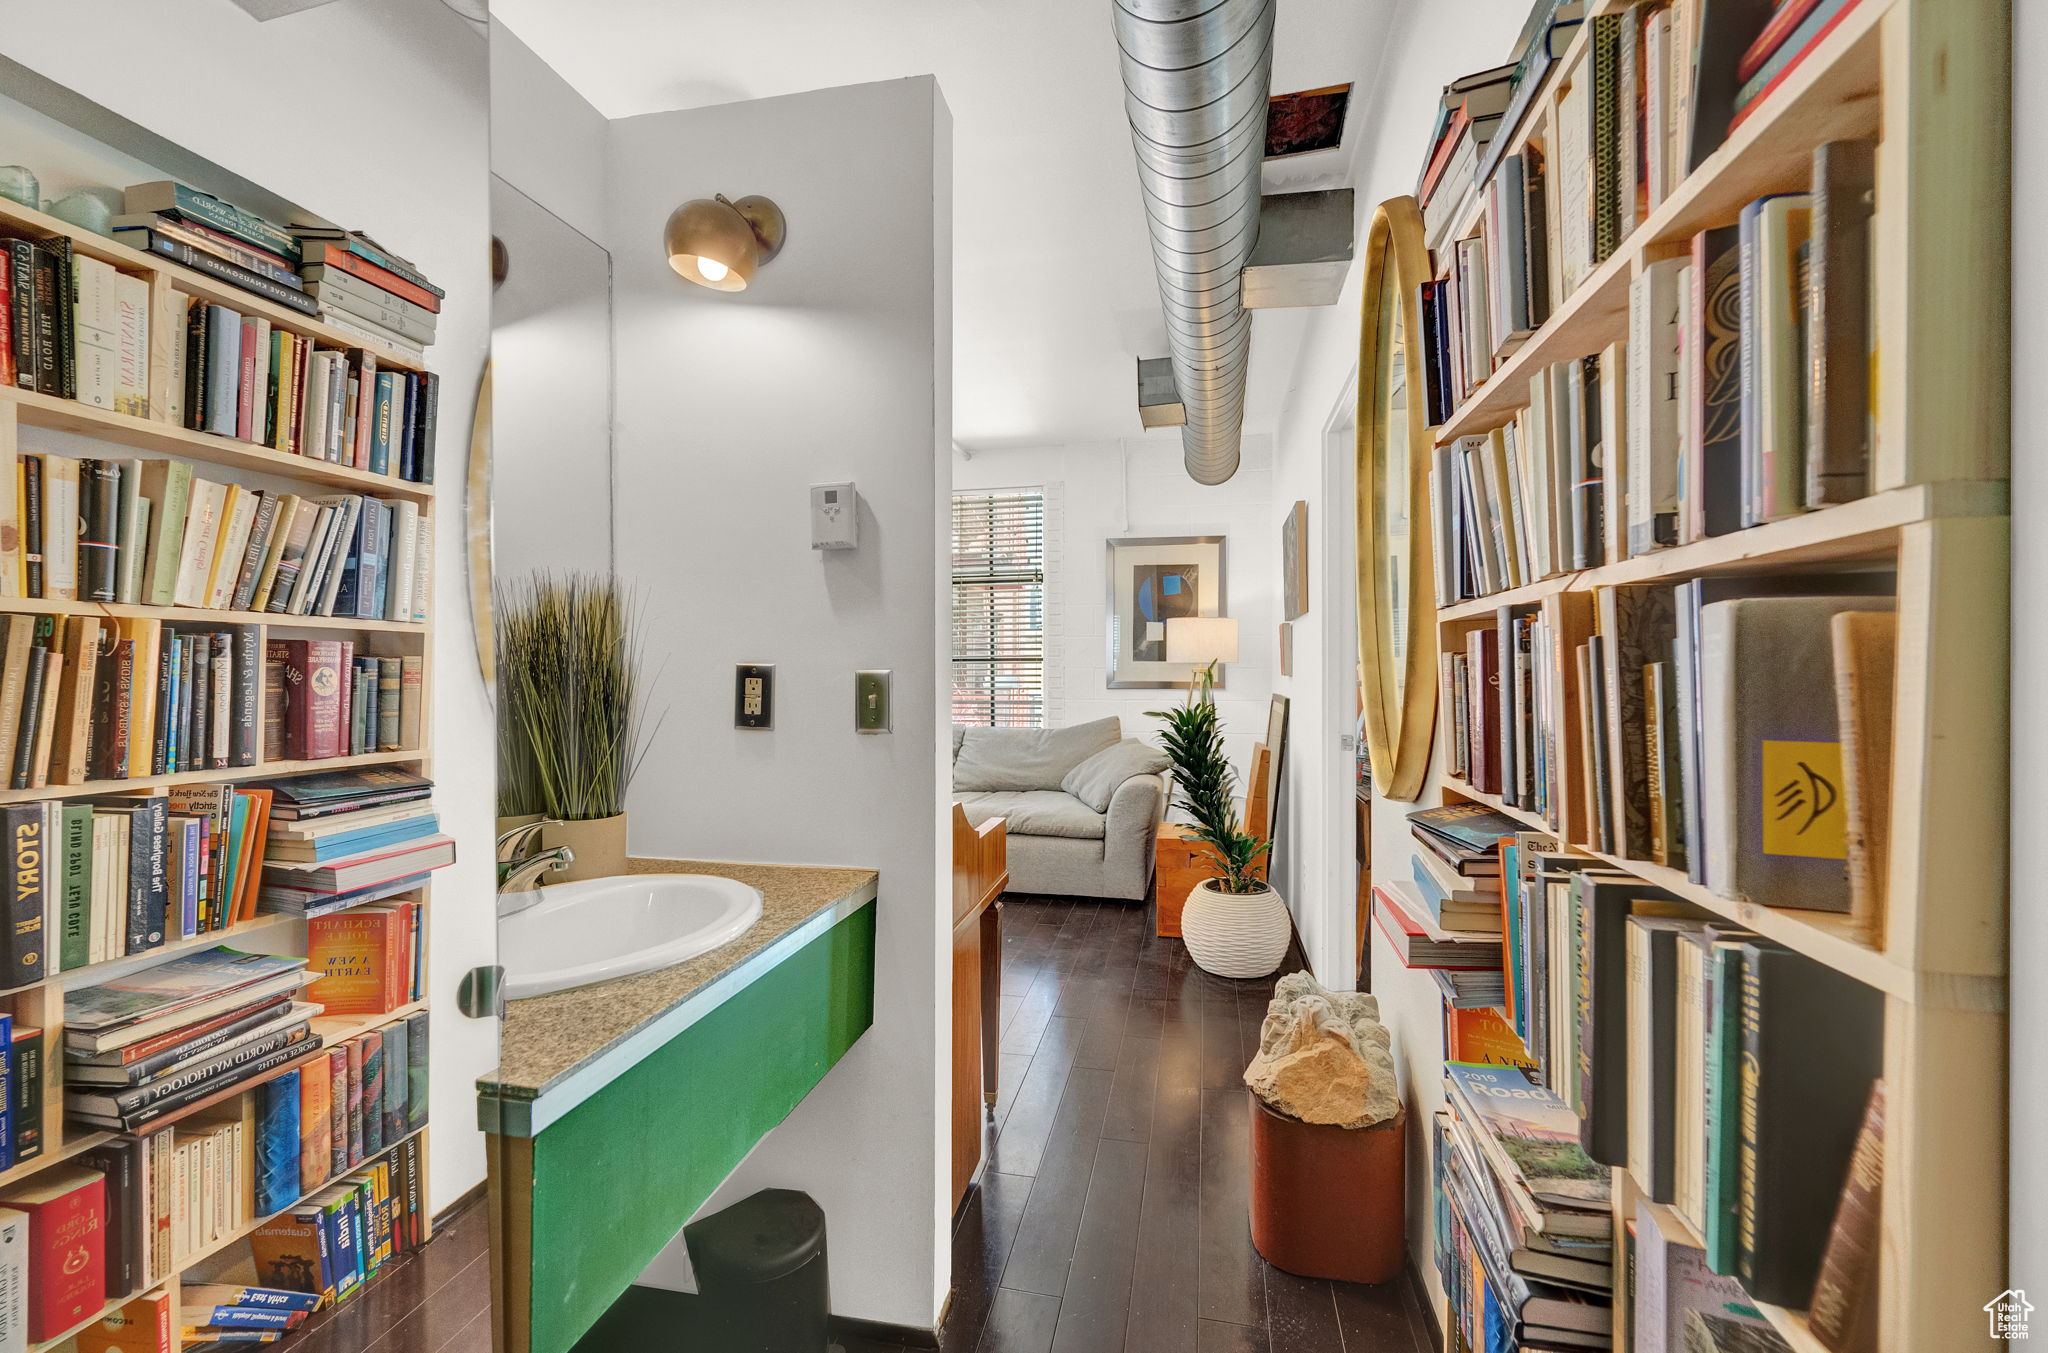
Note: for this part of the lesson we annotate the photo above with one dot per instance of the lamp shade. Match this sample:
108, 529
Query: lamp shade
1201, 639
719, 243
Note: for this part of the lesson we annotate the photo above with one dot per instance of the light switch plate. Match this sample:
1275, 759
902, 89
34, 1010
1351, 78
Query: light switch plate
753, 695
871, 702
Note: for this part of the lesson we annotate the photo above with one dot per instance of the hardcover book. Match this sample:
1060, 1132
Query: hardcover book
1812, 1044
1775, 822
67, 1260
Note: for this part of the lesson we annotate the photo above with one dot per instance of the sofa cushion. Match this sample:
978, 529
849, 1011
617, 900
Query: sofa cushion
1034, 812
1095, 781
993, 759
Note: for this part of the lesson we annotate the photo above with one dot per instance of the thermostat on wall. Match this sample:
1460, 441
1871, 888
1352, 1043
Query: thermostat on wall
835, 517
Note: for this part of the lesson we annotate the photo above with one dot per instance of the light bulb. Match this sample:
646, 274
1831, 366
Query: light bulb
711, 269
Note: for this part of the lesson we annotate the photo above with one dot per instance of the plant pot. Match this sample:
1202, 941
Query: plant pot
1235, 934
598, 843
506, 824
1326, 1201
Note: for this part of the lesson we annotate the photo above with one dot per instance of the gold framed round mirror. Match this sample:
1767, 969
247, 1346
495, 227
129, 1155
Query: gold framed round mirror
1397, 645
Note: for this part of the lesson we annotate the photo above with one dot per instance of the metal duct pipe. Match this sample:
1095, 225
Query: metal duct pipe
1197, 74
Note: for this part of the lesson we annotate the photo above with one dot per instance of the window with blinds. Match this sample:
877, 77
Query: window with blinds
999, 608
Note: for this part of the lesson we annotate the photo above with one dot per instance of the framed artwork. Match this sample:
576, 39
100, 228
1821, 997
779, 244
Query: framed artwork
1294, 561
1287, 648
1276, 751
1152, 579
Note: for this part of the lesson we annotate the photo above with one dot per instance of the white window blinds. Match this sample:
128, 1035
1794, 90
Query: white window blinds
999, 608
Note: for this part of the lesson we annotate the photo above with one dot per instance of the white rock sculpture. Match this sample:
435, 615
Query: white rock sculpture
1324, 1056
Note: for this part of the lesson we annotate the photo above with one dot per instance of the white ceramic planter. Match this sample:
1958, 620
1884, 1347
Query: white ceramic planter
1235, 934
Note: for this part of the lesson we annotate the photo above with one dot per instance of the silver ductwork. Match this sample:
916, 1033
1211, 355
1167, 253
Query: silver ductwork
1196, 78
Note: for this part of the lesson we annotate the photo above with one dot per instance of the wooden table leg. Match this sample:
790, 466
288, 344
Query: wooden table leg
991, 997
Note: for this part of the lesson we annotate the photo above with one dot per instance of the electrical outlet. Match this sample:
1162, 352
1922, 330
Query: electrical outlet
753, 695
871, 702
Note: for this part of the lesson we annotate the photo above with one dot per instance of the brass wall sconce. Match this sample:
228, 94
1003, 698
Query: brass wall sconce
718, 243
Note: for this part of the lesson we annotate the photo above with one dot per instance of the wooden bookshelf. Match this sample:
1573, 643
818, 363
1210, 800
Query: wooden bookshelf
1928, 80
24, 417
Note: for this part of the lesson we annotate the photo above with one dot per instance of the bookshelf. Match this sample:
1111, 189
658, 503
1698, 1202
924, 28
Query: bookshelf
1927, 80
23, 415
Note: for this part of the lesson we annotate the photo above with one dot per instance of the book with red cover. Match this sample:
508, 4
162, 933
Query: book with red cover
337, 256
314, 726
363, 958
67, 1254
1779, 65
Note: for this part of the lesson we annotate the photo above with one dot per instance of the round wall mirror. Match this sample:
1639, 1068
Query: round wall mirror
1396, 582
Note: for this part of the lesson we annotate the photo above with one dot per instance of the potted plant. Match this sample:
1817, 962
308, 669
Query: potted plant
1234, 924
570, 714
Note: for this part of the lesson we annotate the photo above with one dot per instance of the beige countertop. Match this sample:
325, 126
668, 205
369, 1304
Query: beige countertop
544, 1039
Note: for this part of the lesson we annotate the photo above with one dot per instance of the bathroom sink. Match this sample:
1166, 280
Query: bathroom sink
593, 930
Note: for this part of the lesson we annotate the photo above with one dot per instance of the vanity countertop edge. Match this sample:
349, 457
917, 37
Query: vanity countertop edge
556, 1050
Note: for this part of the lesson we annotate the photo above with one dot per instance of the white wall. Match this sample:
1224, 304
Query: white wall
1139, 487
1427, 46
834, 365
2029, 903
546, 139
412, 173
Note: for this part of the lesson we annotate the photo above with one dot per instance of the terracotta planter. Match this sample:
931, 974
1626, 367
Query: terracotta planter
1329, 1202
599, 845
1235, 934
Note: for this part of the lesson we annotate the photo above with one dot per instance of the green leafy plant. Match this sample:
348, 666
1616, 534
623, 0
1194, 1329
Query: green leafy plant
570, 696
1205, 786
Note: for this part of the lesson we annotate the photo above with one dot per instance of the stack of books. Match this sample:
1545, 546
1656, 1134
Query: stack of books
1524, 1233
342, 838
220, 1313
201, 232
210, 1155
366, 289
210, 1021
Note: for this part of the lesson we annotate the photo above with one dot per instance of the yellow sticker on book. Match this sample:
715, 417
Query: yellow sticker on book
1803, 809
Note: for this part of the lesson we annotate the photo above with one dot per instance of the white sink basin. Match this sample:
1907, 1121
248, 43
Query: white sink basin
593, 930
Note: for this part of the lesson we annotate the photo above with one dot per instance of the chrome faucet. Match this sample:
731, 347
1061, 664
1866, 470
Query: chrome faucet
524, 875
519, 870
513, 845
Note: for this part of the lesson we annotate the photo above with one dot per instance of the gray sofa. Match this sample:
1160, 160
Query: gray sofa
1082, 805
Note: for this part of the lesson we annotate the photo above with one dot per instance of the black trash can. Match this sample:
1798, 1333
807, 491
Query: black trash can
761, 1273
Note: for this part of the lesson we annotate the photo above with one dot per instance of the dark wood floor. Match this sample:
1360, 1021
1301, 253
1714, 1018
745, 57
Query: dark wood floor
435, 1300
1112, 1216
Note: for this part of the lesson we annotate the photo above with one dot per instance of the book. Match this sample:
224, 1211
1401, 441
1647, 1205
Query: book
67, 1261
1812, 1044
181, 986
26, 1074
1537, 1136
416, 1076
1838, 322
1774, 232
1672, 1282
277, 1143
1865, 645
1653, 1006
139, 1326
14, 1279
293, 1253
199, 260
174, 199
1843, 1315
362, 958
1775, 824
1600, 908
